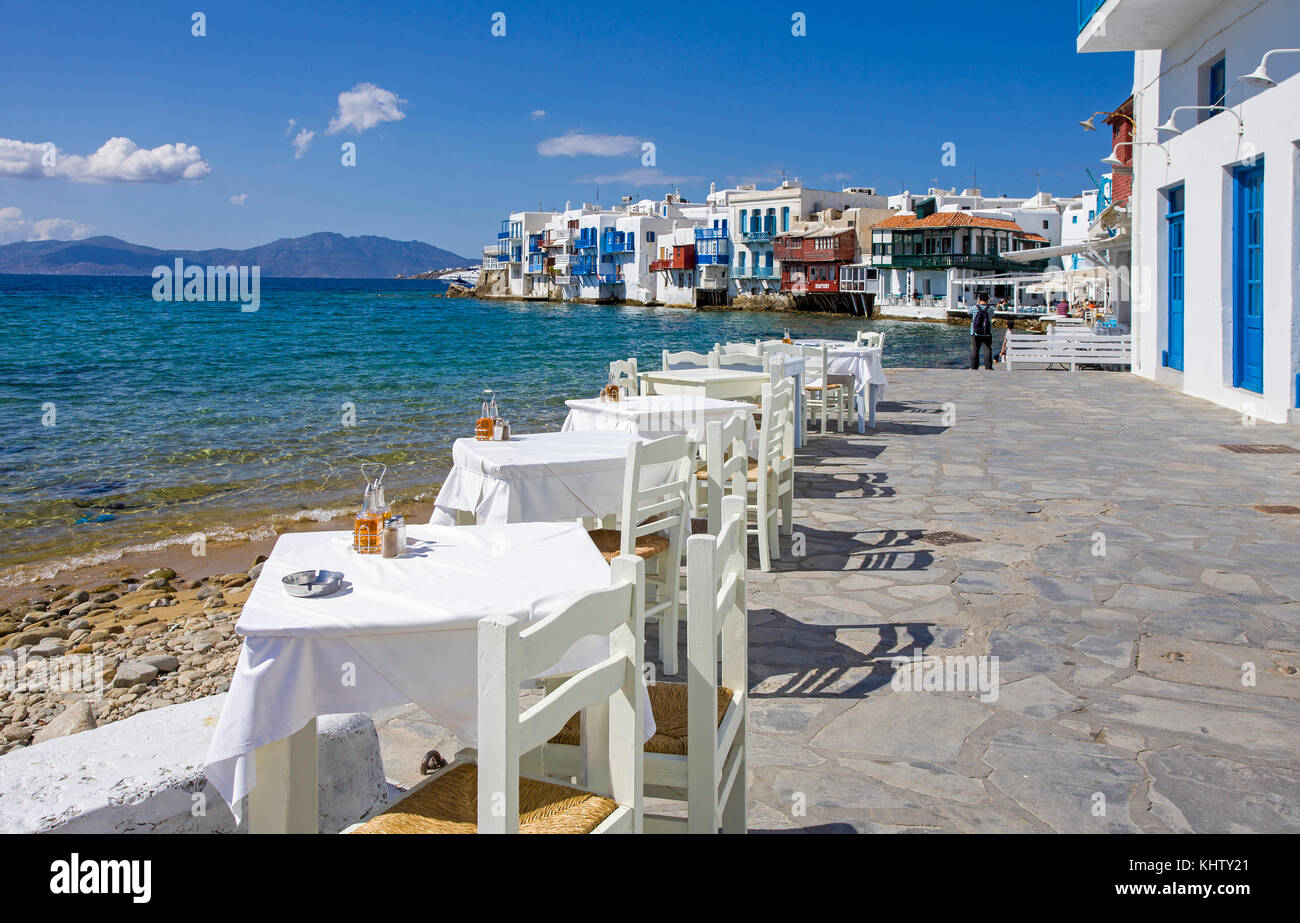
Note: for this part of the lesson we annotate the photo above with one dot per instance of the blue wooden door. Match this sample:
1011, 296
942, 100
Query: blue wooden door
1174, 360
1248, 307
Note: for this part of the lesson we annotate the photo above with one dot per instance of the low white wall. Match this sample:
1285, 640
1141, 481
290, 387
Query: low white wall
140, 775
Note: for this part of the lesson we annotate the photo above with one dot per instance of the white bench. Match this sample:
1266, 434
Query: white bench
1072, 349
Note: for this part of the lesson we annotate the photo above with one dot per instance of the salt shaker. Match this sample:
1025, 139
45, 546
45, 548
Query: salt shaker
388, 544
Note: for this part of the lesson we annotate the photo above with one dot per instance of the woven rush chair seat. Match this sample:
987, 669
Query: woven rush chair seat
833, 386
668, 704
608, 542
449, 804
752, 473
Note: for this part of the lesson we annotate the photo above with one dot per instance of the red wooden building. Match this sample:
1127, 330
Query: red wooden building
811, 260
683, 257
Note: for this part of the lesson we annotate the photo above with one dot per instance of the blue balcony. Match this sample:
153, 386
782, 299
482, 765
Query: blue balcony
582, 266
609, 278
754, 272
711, 234
755, 236
618, 242
1088, 9
503, 235
712, 259
585, 240
537, 263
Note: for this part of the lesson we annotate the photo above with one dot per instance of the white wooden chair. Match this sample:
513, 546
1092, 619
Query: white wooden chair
699, 751
725, 471
623, 372
482, 791
685, 360
771, 474
652, 525
869, 338
824, 397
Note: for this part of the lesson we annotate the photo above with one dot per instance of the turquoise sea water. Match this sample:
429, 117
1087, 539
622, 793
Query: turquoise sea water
177, 418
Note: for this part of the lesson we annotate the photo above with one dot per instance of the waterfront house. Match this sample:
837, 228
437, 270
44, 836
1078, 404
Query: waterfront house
759, 215
933, 258
1215, 208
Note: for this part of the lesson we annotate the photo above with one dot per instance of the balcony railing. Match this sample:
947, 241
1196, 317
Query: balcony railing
618, 242
1087, 10
584, 243
712, 259
977, 261
753, 272
684, 260
710, 233
756, 236
609, 278
585, 266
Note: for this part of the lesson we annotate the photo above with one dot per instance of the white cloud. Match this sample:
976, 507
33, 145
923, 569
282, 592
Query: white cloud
365, 106
537, 114
118, 160
639, 179
574, 143
15, 227
241, 199
288, 129
302, 142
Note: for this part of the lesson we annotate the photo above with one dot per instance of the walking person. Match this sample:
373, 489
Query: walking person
981, 333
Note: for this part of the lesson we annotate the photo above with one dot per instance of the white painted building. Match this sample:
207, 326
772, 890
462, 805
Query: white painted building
758, 215
1216, 208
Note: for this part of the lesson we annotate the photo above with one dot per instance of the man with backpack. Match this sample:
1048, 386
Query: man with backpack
981, 333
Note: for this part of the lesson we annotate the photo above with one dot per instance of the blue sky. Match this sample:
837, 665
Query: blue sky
449, 121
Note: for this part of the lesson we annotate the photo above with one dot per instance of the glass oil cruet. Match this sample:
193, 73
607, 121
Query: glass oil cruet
367, 529
483, 428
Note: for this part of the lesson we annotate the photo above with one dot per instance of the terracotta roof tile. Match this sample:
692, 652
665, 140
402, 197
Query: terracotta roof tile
947, 220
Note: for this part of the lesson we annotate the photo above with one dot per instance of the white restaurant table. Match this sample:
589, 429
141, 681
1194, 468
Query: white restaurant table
656, 415
726, 384
537, 477
400, 630
863, 363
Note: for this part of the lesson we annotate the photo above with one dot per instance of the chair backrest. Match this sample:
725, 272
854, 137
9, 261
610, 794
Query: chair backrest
685, 360
716, 623
726, 456
623, 372
868, 338
655, 481
815, 359
747, 362
507, 655
776, 346
739, 349
776, 368
776, 439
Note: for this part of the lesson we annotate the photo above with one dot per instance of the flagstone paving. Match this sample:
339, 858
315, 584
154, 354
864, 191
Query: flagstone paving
1119, 573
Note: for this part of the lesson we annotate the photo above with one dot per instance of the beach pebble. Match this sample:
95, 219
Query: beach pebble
17, 732
165, 663
77, 717
78, 624
134, 672
158, 583
50, 647
255, 571
208, 592
166, 573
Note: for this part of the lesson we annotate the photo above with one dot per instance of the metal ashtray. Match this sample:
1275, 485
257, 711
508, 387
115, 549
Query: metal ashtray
313, 582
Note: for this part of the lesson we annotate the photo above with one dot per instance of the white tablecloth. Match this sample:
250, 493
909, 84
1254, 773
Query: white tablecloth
539, 477
656, 416
401, 630
844, 358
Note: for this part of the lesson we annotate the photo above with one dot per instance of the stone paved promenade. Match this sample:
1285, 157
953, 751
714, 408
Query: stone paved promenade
1120, 706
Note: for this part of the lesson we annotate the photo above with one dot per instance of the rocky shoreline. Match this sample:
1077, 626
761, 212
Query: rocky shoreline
79, 657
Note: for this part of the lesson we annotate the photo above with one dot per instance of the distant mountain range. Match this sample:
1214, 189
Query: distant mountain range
324, 255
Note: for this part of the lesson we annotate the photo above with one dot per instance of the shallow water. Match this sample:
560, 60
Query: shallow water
178, 419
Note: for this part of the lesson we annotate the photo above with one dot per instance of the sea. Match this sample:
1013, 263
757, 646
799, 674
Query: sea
129, 425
